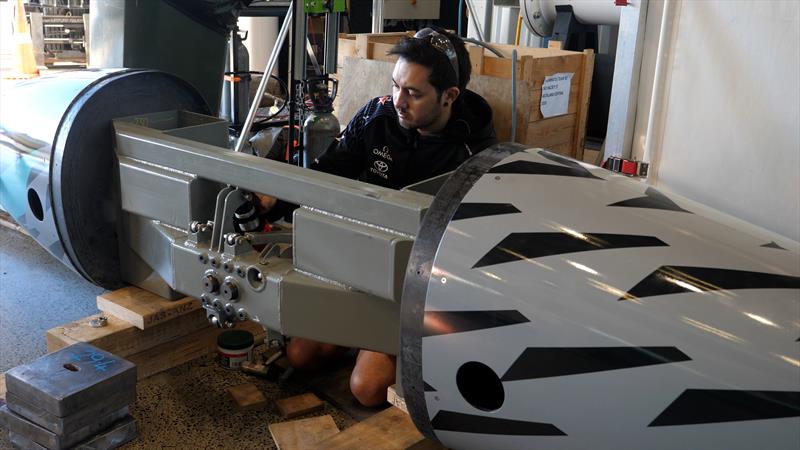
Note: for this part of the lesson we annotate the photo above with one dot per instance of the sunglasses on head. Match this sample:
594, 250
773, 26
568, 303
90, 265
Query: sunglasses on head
441, 43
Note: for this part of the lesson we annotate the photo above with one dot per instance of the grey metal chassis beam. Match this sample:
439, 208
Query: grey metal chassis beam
335, 275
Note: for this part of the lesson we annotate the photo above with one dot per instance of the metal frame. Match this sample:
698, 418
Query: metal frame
177, 197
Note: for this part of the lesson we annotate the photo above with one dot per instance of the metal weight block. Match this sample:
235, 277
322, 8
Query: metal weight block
118, 434
75, 421
72, 379
47, 438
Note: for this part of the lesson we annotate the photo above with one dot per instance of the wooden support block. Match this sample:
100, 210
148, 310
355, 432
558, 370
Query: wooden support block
186, 348
298, 405
362, 46
389, 429
583, 109
476, 59
302, 434
395, 399
144, 309
120, 337
247, 396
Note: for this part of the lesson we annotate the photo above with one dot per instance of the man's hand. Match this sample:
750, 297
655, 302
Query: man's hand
266, 202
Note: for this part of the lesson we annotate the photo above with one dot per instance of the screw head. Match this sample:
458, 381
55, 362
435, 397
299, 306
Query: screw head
210, 284
230, 291
241, 314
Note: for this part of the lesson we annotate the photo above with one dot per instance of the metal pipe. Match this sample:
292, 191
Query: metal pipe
273, 58
655, 119
377, 16
331, 42
474, 20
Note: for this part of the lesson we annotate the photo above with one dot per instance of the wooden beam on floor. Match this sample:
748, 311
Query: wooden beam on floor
299, 405
302, 434
144, 309
390, 429
120, 337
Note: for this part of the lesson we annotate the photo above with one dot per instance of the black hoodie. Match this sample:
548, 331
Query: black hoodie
374, 147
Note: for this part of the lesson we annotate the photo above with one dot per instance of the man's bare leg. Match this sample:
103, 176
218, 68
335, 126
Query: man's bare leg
308, 354
373, 374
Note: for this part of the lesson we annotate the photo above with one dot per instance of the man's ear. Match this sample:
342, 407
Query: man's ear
450, 95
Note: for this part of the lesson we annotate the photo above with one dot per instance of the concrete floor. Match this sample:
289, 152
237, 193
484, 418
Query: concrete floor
36, 293
185, 407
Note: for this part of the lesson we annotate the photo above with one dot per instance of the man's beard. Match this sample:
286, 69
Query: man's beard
416, 126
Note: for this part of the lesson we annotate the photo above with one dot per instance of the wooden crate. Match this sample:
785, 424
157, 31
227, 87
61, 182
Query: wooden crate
365, 72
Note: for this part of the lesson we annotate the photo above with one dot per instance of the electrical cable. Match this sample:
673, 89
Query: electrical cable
486, 46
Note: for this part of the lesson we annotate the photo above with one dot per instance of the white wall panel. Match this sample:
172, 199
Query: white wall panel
731, 128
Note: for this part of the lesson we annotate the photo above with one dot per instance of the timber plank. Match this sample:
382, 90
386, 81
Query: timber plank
298, 405
387, 430
186, 348
302, 434
395, 399
247, 396
120, 337
142, 308
552, 131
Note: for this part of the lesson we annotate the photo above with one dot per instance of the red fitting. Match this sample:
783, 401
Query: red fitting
621, 2
628, 167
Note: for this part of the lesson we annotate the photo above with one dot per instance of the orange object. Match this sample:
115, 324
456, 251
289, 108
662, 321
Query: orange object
24, 61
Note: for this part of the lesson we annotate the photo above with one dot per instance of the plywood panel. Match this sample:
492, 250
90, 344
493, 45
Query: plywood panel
549, 132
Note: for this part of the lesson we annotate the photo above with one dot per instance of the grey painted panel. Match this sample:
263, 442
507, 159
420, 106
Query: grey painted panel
365, 257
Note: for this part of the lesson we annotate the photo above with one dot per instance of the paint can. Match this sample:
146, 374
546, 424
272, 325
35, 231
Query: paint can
235, 347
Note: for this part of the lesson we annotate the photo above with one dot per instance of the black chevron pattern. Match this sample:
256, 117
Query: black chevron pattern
545, 362
696, 406
469, 423
473, 210
653, 199
680, 279
519, 246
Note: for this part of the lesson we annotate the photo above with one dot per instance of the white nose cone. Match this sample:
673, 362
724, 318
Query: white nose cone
552, 304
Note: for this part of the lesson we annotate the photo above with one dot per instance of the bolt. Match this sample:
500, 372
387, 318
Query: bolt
227, 267
239, 271
229, 309
214, 262
230, 291
217, 304
194, 227
205, 300
241, 314
203, 258
215, 321
230, 238
99, 322
210, 284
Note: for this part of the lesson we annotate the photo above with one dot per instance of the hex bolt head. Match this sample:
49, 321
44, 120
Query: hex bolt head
227, 267
205, 300
210, 284
229, 311
241, 314
217, 304
203, 258
214, 262
230, 291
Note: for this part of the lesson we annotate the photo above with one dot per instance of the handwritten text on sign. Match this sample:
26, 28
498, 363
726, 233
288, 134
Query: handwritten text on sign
555, 94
